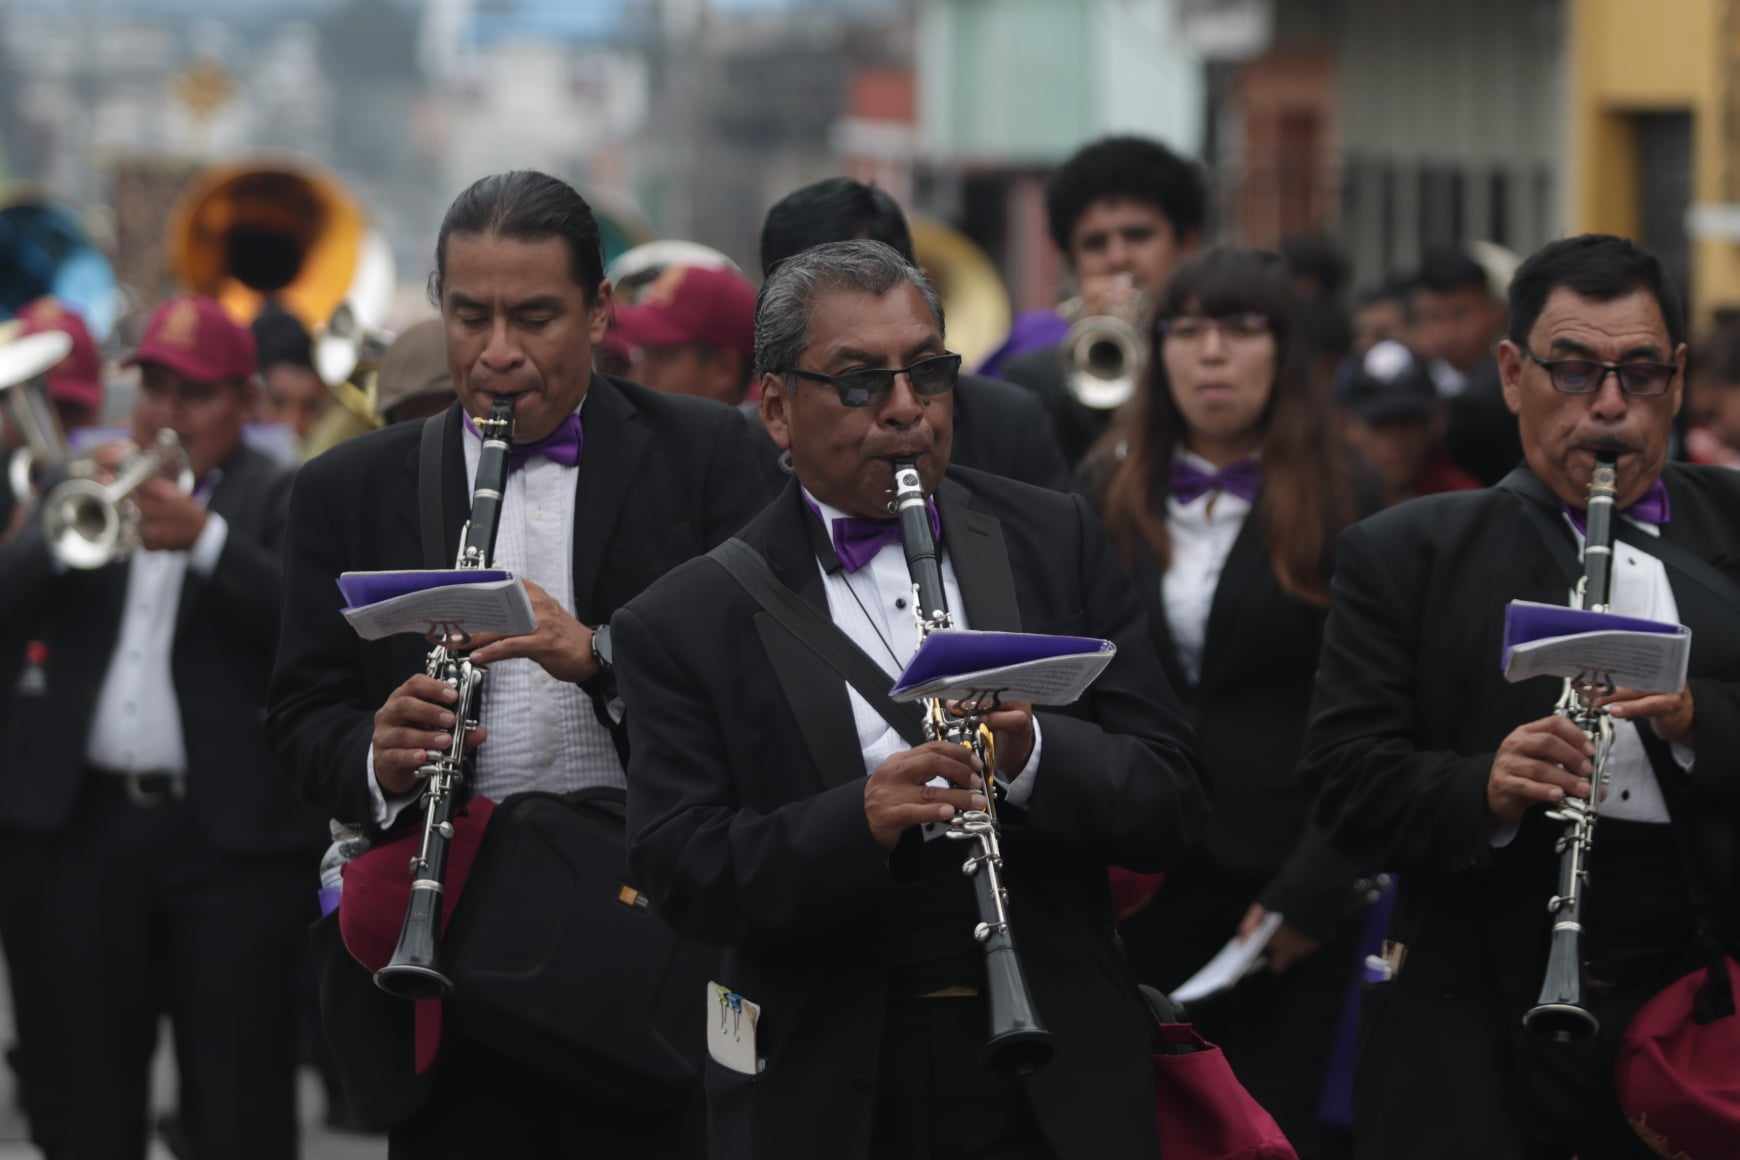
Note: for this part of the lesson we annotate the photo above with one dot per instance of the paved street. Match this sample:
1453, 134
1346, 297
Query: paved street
317, 1142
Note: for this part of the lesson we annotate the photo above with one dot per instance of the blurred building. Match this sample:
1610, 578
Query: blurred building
1654, 134
1392, 124
1007, 90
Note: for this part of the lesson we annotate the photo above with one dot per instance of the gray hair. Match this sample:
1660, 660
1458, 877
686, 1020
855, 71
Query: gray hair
782, 309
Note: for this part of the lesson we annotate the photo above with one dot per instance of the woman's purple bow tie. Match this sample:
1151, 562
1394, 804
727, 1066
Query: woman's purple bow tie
563, 445
857, 539
1242, 479
1652, 508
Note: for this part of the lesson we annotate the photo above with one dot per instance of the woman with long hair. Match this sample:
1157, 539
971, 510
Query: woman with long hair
1223, 487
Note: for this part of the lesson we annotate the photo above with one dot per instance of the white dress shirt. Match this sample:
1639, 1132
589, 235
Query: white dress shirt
137, 724
543, 732
1640, 588
873, 607
1203, 532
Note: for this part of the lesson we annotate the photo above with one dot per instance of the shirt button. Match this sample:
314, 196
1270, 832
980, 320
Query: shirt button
900, 602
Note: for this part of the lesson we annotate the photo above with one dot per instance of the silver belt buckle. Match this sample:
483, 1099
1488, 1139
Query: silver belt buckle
137, 794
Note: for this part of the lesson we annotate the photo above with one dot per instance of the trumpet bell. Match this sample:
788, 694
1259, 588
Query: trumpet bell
83, 527
23, 362
1104, 357
89, 524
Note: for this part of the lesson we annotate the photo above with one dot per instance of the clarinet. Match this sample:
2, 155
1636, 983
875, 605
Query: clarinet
414, 971
1560, 1013
1019, 1043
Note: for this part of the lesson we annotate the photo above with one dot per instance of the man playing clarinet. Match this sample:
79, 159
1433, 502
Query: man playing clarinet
775, 811
1431, 764
608, 485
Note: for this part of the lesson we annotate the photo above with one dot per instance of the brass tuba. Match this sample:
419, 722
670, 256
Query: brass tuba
279, 230
973, 298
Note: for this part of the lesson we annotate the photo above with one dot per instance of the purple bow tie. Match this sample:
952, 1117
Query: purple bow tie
563, 445
1241, 479
1652, 508
857, 539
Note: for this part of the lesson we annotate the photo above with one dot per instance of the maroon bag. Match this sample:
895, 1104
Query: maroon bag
1204, 1112
1678, 1071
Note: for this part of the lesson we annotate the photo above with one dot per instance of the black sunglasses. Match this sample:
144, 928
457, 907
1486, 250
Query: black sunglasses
1584, 376
929, 377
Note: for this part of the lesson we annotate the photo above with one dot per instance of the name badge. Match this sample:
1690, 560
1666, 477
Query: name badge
731, 1023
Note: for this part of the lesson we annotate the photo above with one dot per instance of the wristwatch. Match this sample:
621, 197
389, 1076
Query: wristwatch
601, 648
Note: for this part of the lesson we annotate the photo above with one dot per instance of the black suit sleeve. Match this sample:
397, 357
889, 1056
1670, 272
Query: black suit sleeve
1382, 800
718, 871
1716, 736
26, 573
1118, 771
246, 586
1314, 888
320, 724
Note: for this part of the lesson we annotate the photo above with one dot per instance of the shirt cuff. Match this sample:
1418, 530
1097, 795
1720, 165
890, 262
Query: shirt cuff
386, 812
203, 556
1684, 755
1504, 835
1018, 791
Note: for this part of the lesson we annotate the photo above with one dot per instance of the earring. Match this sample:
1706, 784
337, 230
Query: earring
785, 462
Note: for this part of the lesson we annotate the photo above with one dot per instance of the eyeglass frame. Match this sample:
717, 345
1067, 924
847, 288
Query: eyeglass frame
1616, 369
840, 387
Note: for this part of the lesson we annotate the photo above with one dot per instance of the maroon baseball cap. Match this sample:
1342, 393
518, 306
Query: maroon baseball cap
692, 304
78, 378
196, 339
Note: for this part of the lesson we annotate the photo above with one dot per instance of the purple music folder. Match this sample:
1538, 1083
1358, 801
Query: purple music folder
1551, 640
361, 589
1043, 669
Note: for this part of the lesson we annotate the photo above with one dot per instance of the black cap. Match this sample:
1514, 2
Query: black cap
1386, 384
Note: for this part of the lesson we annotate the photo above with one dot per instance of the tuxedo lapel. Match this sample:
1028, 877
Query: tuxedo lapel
1245, 565
455, 486
615, 442
816, 693
975, 546
227, 500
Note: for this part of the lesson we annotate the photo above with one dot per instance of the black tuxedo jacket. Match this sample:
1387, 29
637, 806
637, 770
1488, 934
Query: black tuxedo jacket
225, 627
662, 478
1002, 429
1077, 425
1411, 708
746, 822
1249, 707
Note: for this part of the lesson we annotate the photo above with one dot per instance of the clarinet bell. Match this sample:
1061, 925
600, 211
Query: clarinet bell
1019, 1044
1559, 1013
412, 972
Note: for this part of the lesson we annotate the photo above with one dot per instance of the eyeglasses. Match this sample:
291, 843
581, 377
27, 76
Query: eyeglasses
1584, 376
1232, 328
929, 377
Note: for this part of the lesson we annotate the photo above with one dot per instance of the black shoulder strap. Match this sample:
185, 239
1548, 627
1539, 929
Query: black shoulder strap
1537, 504
430, 486
750, 569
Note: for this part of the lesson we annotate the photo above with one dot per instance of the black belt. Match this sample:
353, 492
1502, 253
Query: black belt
151, 787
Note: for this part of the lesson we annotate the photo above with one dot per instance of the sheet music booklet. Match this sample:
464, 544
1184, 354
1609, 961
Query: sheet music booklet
1549, 640
451, 600
959, 664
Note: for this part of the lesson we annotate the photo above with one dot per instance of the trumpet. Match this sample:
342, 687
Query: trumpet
414, 971
1018, 1042
1559, 1012
23, 362
89, 524
1104, 355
